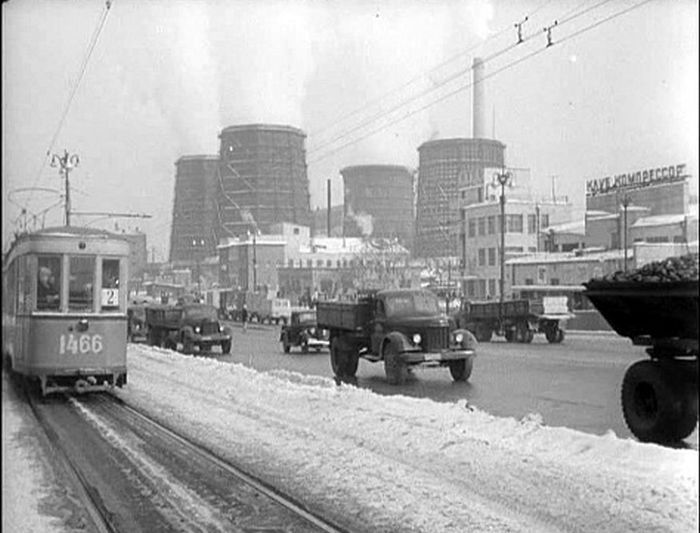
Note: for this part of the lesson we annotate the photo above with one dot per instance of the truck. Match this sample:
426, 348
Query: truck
518, 321
186, 325
659, 394
303, 331
264, 309
401, 328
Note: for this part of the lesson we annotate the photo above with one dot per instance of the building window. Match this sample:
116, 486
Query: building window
514, 223
554, 281
492, 224
492, 287
532, 249
532, 223
482, 288
482, 256
544, 220
657, 239
470, 288
482, 226
309, 263
678, 238
492, 256
472, 227
296, 231
290, 263
319, 262
529, 281
329, 263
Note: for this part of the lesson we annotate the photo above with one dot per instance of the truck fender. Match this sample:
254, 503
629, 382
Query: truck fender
399, 340
227, 331
187, 332
469, 341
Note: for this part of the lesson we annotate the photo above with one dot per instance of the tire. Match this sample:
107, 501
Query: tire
187, 345
657, 404
554, 335
304, 347
483, 333
461, 369
339, 350
285, 344
226, 347
529, 336
394, 368
510, 335
522, 331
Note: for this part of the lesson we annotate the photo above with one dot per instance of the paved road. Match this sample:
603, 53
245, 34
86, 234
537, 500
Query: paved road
575, 384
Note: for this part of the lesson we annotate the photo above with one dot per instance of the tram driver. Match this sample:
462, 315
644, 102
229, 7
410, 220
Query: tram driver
47, 292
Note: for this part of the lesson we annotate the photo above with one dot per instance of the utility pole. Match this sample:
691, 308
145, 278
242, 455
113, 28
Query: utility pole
537, 224
67, 162
328, 215
625, 204
502, 179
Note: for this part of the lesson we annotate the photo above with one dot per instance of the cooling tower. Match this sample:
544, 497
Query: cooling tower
446, 167
262, 178
379, 202
193, 231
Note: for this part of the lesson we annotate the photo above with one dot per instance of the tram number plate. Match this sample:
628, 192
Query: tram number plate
79, 343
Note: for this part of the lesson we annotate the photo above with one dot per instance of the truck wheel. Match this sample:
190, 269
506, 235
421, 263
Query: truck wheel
461, 369
510, 335
285, 344
554, 335
339, 351
521, 332
529, 336
187, 346
483, 333
226, 347
657, 404
394, 368
304, 347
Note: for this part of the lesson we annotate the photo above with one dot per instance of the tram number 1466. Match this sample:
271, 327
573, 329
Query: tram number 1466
79, 344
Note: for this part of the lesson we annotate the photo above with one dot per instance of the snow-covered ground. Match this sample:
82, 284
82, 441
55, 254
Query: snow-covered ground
378, 463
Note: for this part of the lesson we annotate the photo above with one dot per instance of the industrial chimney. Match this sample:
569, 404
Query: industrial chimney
479, 104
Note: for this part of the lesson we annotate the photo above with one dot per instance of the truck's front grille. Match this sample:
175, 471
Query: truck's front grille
436, 339
210, 328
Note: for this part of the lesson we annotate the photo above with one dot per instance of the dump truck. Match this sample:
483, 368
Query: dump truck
401, 328
186, 325
518, 321
656, 307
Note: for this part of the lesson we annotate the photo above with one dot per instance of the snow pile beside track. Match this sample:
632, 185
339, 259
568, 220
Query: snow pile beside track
396, 463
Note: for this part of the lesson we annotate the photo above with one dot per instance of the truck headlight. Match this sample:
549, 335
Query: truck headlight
459, 337
221, 329
197, 329
416, 338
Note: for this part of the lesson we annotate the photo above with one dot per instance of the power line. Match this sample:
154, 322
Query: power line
449, 79
421, 76
463, 87
83, 68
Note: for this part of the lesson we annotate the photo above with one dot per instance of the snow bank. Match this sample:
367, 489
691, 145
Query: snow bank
378, 463
26, 480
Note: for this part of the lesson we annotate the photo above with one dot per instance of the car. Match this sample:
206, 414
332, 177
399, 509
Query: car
303, 331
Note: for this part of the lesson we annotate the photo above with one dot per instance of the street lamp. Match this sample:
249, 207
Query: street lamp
67, 162
625, 204
502, 179
198, 245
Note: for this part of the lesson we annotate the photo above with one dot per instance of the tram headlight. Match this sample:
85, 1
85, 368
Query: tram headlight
417, 338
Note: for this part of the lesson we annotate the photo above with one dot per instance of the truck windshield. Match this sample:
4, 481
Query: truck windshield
201, 313
418, 303
307, 318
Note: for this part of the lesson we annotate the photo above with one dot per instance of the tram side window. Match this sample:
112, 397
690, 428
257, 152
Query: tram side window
110, 284
48, 287
82, 281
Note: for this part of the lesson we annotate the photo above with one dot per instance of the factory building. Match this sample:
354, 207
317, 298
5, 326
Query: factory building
379, 202
193, 231
262, 179
446, 167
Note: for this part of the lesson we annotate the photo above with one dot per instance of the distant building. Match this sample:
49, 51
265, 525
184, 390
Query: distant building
250, 263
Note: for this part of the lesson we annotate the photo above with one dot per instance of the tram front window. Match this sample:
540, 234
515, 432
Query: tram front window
48, 288
82, 281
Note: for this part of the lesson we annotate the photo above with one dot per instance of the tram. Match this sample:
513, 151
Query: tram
65, 309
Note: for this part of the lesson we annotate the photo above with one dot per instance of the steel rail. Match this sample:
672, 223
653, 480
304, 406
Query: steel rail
259, 485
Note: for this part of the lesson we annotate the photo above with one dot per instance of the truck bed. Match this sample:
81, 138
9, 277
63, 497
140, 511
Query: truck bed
349, 316
636, 309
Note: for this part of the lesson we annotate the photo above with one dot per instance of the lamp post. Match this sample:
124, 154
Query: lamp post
67, 162
198, 245
502, 179
625, 204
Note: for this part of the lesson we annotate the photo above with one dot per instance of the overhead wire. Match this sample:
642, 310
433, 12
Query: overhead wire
421, 76
81, 74
454, 76
485, 77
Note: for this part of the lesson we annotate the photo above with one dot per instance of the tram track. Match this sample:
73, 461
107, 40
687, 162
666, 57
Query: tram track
176, 484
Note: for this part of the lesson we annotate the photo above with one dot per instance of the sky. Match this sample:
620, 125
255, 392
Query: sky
367, 81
